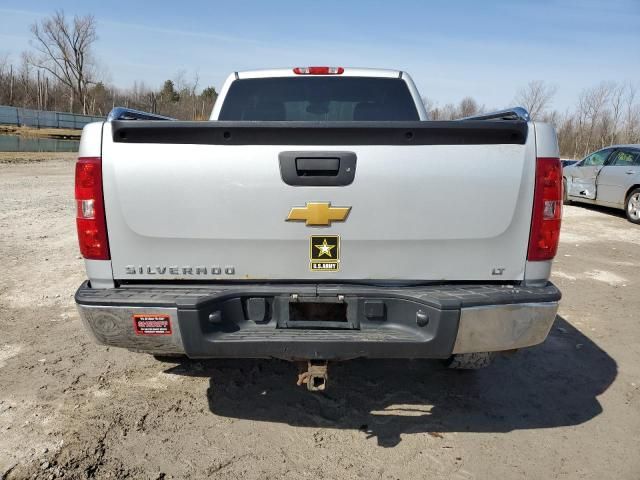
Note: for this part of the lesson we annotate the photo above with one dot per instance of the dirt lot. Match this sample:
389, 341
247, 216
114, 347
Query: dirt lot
569, 408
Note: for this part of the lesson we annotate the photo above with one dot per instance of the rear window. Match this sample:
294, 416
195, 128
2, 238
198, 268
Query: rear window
319, 99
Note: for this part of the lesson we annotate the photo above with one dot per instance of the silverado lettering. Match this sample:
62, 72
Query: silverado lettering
171, 270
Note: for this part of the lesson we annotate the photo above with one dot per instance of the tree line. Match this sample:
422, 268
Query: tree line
60, 72
606, 114
27, 87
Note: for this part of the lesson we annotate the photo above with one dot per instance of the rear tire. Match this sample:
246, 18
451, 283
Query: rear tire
632, 206
470, 361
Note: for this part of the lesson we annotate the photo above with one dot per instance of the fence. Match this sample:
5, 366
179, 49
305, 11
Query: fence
44, 119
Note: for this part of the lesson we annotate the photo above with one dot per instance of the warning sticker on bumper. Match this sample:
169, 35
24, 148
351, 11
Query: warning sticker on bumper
152, 324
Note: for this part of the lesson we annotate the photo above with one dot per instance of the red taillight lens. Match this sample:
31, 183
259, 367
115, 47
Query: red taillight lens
547, 210
90, 218
318, 70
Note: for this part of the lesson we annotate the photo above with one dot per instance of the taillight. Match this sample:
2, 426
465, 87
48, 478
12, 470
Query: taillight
318, 70
547, 210
90, 217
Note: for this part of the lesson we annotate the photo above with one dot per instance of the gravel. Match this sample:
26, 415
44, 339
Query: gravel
569, 408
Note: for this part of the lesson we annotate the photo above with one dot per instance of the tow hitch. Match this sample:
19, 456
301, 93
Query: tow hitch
315, 375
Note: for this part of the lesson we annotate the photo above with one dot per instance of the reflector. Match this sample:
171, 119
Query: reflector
86, 209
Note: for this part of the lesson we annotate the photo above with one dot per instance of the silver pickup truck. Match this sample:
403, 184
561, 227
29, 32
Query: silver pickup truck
319, 216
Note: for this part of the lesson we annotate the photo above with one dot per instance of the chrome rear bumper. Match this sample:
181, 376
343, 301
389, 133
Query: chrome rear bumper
252, 321
504, 327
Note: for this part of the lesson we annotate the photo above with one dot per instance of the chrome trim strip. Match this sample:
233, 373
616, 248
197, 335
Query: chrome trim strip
113, 326
504, 327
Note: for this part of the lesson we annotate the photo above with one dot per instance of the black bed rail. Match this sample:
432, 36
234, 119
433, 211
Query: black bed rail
472, 132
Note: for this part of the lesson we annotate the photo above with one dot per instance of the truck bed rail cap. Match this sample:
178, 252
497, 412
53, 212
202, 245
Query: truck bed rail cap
123, 113
514, 113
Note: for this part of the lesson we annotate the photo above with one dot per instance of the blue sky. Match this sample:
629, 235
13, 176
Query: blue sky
486, 49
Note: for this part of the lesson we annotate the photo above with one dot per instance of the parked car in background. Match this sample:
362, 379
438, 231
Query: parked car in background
609, 177
566, 162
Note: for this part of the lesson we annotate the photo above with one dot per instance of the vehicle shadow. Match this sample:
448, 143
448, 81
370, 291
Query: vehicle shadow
614, 212
551, 385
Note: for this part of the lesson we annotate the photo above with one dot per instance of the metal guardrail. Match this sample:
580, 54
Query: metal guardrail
44, 119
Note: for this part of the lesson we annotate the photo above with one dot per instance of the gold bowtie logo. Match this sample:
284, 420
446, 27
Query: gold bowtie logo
318, 214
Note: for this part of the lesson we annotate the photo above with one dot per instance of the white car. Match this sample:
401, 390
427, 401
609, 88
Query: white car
608, 177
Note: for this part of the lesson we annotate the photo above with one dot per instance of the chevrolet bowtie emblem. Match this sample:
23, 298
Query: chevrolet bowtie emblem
318, 214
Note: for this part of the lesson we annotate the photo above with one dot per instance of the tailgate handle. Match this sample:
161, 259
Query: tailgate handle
321, 169
315, 166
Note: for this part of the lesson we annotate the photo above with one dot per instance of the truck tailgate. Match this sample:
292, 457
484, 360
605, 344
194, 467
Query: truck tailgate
434, 207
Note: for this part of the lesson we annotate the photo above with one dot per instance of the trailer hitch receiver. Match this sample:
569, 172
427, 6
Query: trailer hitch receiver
315, 376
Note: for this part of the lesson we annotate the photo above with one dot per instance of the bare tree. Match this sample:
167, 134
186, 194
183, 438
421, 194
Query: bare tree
468, 107
430, 107
192, 92
6, 80
617, 99
536, 97
631, 116
465, 108
64, 51
592, 110
4, 64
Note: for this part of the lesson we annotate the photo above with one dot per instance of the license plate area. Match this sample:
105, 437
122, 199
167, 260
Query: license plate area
319, 312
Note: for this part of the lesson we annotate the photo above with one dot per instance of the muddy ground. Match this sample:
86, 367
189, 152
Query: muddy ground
569, 408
